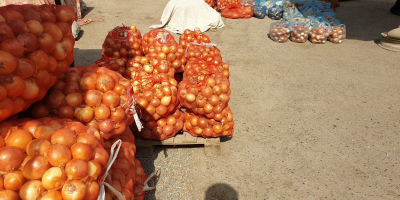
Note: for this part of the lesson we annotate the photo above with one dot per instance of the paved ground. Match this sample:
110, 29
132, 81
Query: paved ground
312, 121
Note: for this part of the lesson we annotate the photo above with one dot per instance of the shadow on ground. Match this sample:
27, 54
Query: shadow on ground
366, 20
85, 57
221, 191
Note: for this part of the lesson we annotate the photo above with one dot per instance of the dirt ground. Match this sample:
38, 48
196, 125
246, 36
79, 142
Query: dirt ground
312, 121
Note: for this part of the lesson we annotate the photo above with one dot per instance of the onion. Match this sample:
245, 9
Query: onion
71, 87
8, 195
77, 169
111, 99
25, 68
39, 58
11, 15
105, 83
65, 14
18, 26
43, 132
59, 155
32, 125
8, 63
65, 28
190, 97
5, 108
101, 156
118, 115
81, 151
89, 139
13, 46
34, 27
28, 41
31, 89
84, 114
52, 195
63, 136
60, 51
19, 138
31, 190
48, 16
5, 32
35, 167
92, 191
10, 157
54, 178
37, 147
94, 169
74, 99
93, 98
73, 190
46, 42
14, 180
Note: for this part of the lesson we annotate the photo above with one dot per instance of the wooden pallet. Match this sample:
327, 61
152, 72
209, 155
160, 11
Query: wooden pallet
212, 146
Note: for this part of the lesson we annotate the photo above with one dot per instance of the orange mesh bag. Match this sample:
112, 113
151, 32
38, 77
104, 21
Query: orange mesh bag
235, 11
221, 4
50, 159
195, 52
189, 37
123, 42
95, 96
208, 62
205, 91
146, 67
36, 47
156, 97
115, 64
161, 129
164, 36
198, 125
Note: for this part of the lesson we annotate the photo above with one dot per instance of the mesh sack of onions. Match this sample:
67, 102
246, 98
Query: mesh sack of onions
156, 34
208, 62
205, 92
198, 125
123, 42
95, 96
50, 159
156, 97
195, 52
36, 47
146, 67
121, 176
223, 3
190, 38
164, 50
235, 11
115, 64
160, 129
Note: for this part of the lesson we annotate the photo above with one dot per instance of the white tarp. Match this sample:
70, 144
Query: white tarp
180, 15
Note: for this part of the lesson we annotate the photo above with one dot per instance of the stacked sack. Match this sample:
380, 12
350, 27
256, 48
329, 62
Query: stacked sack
36, 47
121, 44
154, 87
50, 159
204, 92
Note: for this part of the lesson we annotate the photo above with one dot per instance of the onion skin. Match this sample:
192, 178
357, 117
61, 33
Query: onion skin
10, 157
